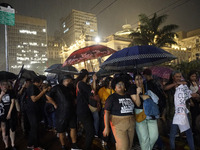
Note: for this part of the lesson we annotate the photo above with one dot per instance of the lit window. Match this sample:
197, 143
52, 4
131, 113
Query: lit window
87, 23
66, 30
91, 30
64, 25
28, 32
44, 30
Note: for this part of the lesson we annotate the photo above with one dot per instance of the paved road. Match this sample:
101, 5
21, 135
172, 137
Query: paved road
50, 142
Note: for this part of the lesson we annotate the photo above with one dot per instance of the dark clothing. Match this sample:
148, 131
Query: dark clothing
65, 112
5, 104
83, 112
4, 108
170, 107
133, 91
156, 88
83, 94
34, 114
33, 138
34, 107
87, 121
119, 105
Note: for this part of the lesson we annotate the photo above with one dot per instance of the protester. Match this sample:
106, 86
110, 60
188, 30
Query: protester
119, 110
146, 128
22, 96
155, 87
34, 112
83, 112
104, 92
172, 88
194, 102
8, 115
65, 117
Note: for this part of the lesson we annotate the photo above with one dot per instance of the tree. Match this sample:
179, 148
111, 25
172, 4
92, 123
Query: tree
150, 33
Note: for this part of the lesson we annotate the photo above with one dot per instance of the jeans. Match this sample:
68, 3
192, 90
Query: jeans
88, 125
147, 132
189, 136
96, 122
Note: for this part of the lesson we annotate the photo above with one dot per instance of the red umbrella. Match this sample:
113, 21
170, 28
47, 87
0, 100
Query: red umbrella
161, 71
88, 53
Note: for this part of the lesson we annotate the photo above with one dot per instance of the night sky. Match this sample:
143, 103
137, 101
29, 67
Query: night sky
185, 13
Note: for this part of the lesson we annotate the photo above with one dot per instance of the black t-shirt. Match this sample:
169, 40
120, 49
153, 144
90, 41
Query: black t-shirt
33, 90
64, 99
119, 105
6, 102
133, 91
83, 94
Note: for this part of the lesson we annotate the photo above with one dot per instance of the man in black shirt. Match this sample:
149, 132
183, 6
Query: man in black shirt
34, 112
64, 97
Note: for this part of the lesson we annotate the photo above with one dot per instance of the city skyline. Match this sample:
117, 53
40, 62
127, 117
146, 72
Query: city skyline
184, 13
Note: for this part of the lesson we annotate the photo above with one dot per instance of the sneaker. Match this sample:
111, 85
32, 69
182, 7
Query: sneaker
13, 148
96, 136
75, 147
64, 148
105, 147
30, 147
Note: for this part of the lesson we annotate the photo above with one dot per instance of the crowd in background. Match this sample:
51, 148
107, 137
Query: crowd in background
115, 109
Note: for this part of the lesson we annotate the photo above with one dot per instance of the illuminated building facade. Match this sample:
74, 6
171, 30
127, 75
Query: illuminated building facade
78, 23
27, 44
54, 48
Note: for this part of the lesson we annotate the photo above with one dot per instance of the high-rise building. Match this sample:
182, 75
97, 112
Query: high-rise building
54, 48
27, 44
78, 23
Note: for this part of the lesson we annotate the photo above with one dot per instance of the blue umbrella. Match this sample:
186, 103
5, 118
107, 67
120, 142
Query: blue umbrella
136, 57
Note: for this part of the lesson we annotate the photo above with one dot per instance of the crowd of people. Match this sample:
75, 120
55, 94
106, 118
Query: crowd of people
112, 109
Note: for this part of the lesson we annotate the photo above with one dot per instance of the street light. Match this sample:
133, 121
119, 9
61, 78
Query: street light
97, 39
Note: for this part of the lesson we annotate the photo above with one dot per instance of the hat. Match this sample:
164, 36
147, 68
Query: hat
147, 72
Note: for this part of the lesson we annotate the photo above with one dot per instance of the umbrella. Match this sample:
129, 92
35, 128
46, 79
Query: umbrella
4, 75
161, 71
88, 53
58, 69
136, 57
28, 74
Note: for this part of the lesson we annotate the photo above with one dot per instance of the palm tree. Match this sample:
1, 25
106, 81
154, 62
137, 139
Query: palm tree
150, 33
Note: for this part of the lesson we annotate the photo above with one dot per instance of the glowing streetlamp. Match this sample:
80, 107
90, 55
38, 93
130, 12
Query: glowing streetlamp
97, 39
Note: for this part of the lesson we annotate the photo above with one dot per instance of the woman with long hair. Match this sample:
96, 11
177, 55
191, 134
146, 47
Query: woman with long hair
194, 102
146, 128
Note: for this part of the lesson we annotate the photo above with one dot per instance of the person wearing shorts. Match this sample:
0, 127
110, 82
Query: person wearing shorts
8, 118
65, 116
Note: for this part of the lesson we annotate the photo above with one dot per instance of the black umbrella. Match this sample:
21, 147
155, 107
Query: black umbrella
28, 74
4, 75
58, 69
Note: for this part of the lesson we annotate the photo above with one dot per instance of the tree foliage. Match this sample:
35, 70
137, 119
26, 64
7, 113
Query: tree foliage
150, 33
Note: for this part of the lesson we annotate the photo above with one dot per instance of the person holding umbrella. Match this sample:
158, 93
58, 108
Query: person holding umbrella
7, 114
